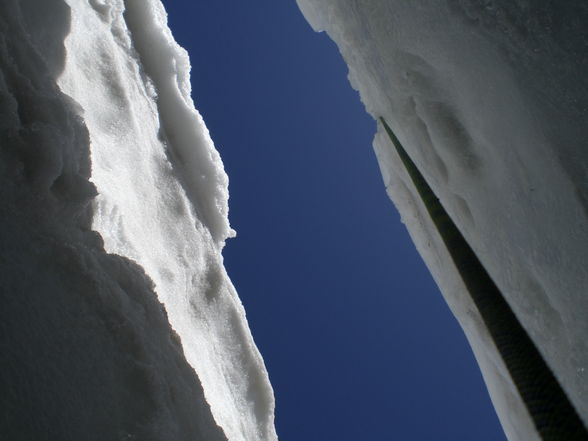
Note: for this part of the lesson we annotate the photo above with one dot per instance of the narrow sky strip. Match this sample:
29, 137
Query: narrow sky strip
358, 342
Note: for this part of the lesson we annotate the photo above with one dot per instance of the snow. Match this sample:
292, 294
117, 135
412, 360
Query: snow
489, 99
120, 321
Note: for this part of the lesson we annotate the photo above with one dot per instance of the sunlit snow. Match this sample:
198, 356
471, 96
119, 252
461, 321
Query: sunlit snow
99, 132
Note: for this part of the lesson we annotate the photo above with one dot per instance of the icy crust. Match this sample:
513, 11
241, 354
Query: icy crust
163, 195
87, 349
490, 99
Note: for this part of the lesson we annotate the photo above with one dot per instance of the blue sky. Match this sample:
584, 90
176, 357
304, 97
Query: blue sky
358, 341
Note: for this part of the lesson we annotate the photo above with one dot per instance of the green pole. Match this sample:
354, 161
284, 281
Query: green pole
553, 415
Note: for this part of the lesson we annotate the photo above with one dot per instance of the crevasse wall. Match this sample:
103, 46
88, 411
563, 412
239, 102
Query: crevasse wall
489, 99
118, 318
163, 195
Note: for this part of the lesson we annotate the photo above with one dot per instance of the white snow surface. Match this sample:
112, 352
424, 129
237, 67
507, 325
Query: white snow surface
114, 199
490, 100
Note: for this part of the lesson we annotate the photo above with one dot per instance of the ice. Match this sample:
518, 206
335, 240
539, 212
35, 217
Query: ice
118, 319
489, 98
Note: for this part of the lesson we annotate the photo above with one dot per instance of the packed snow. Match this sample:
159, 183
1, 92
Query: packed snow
490, 100
120, 321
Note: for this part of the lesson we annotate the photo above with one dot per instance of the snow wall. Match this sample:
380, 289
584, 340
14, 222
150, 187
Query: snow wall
490, 100
118, 320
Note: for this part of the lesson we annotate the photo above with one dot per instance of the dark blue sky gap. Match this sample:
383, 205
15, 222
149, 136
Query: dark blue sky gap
359, 343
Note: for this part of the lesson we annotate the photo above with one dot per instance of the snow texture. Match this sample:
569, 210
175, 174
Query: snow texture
490, 100
118, 320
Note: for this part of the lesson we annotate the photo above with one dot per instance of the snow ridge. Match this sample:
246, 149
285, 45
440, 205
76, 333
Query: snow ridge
191, 150
88, 352
163, 196
118, 319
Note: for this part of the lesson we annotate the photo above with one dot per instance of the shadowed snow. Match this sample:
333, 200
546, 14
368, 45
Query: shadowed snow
489, 98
